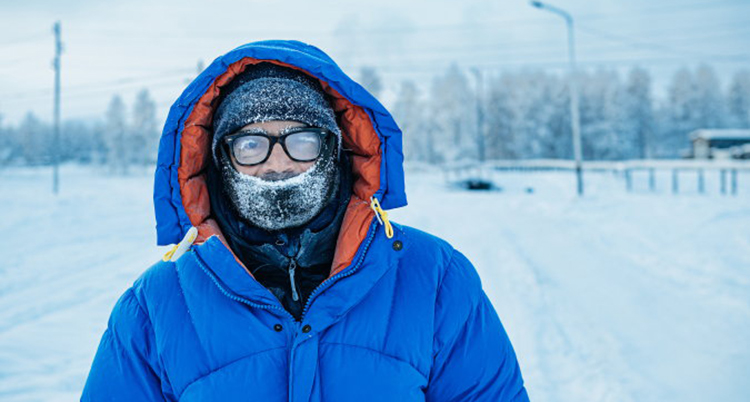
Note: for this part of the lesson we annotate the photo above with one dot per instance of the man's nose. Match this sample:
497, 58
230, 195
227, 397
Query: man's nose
278, 161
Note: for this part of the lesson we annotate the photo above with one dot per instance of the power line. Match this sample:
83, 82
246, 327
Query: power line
206, 34
666, 8
434, 66
703, 31
654, 46
526, 47
533, 45
26, 39
106, 85
428, 28
172, 82
136, 80
637, 43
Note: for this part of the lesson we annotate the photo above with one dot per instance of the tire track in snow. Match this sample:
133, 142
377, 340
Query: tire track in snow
570, 369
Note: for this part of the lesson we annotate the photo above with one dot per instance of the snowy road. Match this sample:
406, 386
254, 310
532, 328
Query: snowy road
613, 297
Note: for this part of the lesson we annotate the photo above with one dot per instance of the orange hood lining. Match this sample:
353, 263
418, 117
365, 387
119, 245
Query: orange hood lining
358, 135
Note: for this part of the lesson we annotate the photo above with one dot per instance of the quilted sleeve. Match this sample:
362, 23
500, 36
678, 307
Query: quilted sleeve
473, 359
125, 367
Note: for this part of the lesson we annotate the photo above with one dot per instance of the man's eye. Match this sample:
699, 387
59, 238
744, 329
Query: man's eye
250, 143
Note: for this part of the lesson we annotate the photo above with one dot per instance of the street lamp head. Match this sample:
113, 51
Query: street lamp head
553, 9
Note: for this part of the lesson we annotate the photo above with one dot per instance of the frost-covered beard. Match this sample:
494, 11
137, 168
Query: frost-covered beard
281, 204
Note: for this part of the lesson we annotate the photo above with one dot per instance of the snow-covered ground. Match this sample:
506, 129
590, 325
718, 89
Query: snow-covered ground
612, 297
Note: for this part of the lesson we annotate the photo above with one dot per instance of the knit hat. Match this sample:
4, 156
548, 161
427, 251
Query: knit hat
265, 92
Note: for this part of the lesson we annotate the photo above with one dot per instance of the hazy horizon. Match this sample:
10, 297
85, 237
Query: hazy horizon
124, 47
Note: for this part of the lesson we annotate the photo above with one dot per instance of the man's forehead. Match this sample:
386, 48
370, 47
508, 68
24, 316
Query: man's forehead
272, 127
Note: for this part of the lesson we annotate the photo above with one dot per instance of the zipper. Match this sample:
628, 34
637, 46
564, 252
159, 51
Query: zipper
319, 288
344, 273
237, 298
292, 267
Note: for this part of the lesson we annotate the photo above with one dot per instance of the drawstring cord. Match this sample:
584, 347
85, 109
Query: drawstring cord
180, 248
382, 216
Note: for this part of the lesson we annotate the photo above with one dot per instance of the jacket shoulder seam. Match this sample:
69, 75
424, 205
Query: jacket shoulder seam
445, 273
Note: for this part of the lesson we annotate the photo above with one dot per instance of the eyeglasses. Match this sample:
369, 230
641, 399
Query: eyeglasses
301, 144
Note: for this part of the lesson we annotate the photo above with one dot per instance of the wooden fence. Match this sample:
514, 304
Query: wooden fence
728, 171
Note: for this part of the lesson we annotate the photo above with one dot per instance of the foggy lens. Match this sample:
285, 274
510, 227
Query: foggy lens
250, 149
303, 146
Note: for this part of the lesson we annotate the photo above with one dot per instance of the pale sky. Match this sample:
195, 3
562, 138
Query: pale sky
120, 47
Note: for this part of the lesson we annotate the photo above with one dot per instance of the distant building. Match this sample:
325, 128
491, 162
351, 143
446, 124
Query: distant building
720, 144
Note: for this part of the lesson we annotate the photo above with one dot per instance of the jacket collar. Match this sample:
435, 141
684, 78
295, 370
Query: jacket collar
374, 258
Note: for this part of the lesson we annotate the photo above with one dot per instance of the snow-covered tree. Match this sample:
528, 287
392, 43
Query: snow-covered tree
144, 138
709, 100
738, 100
36, 140
500, 139
8, 147
118, 149
603, 119
694, 101
408, 110
639, 111
77, 141
677, 116
99, 143
526, 116
453, 113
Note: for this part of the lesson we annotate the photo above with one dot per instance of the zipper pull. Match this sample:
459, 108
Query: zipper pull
292, 267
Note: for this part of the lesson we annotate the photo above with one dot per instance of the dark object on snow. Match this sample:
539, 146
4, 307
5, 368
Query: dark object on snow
478, 184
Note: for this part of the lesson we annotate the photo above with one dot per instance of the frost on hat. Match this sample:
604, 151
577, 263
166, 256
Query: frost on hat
266, 92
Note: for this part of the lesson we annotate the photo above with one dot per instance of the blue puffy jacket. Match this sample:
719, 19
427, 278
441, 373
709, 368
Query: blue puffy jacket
402, 316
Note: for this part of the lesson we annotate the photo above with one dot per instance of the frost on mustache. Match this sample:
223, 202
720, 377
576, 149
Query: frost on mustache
281, 204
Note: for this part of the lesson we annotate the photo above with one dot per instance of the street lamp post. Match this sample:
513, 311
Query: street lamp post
575, 122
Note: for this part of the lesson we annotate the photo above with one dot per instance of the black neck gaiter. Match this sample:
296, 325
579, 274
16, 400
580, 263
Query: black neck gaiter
291, 263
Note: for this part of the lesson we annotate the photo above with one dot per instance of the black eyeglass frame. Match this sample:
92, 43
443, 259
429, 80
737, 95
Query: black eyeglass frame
273, 139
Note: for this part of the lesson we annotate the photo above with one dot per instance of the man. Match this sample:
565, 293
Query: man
288, 282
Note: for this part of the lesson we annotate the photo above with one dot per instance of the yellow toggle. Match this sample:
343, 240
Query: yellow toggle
169, 253
180, 248
382, 216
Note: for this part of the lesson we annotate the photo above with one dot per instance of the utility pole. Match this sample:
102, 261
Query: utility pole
575, 120
56, 141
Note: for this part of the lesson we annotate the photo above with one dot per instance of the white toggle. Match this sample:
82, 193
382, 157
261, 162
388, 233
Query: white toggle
186, 242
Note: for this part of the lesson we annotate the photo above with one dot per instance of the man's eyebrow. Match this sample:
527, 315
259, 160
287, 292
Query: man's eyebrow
290, 128
252, 130
258, 130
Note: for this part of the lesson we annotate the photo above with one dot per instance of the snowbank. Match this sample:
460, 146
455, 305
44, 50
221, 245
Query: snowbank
613, 297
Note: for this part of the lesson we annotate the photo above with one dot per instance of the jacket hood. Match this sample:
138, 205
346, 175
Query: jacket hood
369, 132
